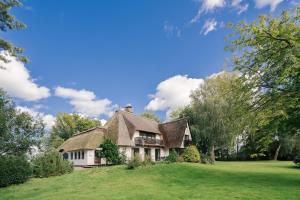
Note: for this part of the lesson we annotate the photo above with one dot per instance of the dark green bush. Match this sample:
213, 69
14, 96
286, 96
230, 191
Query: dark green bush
172, 157
110, 151
14, 170
134, 162
191, 154
50, 164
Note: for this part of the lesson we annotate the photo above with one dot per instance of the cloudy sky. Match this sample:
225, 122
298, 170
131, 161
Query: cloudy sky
92, 57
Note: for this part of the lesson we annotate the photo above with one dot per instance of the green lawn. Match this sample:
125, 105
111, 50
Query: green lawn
225, 180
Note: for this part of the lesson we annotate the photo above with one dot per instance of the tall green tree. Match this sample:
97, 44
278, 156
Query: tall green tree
9, 22
150, 115
214, 115
66, 125
19, 131
268, 58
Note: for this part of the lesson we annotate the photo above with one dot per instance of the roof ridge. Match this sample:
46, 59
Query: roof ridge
176, 120
88, 130
152, 120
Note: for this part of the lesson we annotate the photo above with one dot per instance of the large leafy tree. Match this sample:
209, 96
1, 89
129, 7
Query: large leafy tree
19, 131
9, 22
268, 58
150, 115
66, 125
214, 115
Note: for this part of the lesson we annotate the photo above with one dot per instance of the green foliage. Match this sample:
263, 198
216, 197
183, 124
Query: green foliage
50, 164
8, 21
172, 157
13, 170
19, 131
191, 154
134, 162
109, 151
269, 64
66, 125
216, 114
151, 115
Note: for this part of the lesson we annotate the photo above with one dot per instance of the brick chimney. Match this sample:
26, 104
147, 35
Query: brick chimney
129, 108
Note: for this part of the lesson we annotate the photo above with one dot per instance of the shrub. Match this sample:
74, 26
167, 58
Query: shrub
148, 161
109, 151
14, 170
191, 154
134, 162
297, 161
172, 157
50, 164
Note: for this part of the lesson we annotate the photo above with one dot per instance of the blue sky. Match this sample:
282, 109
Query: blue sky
91, 57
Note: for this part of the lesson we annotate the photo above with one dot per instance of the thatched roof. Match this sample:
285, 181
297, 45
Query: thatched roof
121, 128
173, 132
90, 139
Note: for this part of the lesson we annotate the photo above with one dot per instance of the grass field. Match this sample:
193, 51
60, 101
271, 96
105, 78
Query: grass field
225, 180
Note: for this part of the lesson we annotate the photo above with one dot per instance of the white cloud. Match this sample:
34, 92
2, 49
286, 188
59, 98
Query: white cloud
103, 121
171, 30
272, 3
85, 102
237, 4
208, 6
173, 93
209, 25
15, 79
48, 119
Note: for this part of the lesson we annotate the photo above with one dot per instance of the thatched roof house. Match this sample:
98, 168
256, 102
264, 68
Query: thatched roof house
133, 134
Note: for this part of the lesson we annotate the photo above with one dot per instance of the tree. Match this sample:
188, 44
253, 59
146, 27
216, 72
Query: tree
216, 115
19, 131
66, 125
109, 151
9, 22
269, 64
151, 115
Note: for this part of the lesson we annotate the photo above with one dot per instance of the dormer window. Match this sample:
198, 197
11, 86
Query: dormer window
147, 135
186, 137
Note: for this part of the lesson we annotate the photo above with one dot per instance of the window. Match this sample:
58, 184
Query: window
78, 155
75, 155
186, 137
82, 154
157, 154
136, 151
66, 156
71, 155
146, 135
147, 152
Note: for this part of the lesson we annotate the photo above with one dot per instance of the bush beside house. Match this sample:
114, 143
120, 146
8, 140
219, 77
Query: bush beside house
14, 170
50, 164
109, 151
191, 154
172, 157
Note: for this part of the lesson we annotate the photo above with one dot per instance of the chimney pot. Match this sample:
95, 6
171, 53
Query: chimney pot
129, 108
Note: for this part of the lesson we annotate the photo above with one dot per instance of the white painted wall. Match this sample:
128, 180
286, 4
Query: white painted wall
88, 158
187, 132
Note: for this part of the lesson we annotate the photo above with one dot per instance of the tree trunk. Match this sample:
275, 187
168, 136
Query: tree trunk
277, 152
212, 154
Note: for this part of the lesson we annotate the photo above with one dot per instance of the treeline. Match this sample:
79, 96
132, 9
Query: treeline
253, 111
